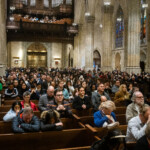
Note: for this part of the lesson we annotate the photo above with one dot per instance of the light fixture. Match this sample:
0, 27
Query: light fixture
101, 26
12, 8
119, 19
11, 18
74, 24
87, 14
144, 5
107, 2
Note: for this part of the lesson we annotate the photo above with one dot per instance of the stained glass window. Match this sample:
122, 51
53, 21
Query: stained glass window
143, 22
119, 28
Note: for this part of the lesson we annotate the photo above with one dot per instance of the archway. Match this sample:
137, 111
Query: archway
96, 59
36, 55
117, 62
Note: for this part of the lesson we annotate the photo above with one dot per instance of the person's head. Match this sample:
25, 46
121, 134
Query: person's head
16, 83
117, 83
103, 98
138, 98
48, 78
101, 88
58, 94
16, 106
81, 91
24, 86
26, 96
50, 91
50, 116
123, 88
135, 89
11, 86
115, 140
93, 87
144, 113
68, 83
83, 84
53, 83
107, 107
27, 114
61, 84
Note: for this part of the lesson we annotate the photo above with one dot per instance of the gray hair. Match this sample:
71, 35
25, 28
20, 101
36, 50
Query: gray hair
26, 93
134, 95
27, 110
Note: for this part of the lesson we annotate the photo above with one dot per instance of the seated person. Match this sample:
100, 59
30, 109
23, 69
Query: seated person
22, 89
25, 121
50, 121
121, 95
143, 142
103, 99
105, 116
137, 125
134, 108
46, 98
81, 101
26, 100
11, 92
114, 140
34, 93
97, 95
115, 87
13, 112
59, 104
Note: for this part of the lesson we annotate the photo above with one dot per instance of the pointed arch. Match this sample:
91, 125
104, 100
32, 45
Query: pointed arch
118, 61
96, 59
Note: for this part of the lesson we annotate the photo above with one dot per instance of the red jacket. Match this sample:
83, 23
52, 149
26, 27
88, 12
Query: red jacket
33, 106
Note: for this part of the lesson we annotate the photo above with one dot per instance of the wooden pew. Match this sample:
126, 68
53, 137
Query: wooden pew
76, 148
47, 140
2, 114
9, 102
68, 123
90, 119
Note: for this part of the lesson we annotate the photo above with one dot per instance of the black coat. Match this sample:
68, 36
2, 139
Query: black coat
142, 144
78, 102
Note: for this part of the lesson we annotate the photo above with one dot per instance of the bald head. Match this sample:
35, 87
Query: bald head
50, 91
103, 98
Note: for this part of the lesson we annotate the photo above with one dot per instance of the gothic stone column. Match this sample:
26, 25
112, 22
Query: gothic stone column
3, 48
133, 49
89, 42
107, 38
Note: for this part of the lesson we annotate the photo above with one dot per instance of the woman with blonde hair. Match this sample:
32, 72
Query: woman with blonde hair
122, 95
105, 115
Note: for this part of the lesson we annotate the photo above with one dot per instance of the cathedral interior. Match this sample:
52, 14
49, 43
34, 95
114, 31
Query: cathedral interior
105, 34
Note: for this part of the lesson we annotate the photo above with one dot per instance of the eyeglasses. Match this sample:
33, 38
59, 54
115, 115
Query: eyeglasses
59, 95
141, 97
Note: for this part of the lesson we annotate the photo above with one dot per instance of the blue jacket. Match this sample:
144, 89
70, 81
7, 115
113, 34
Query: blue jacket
99, 119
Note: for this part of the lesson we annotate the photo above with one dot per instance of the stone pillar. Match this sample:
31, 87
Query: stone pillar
107, 38
89, 42
148, 38
133, 49
3, 48
63, 56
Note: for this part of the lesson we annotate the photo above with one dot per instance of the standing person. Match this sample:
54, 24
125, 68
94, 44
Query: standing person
13, 112
26, 100
46, 98
26, 122
81, 101
97, 95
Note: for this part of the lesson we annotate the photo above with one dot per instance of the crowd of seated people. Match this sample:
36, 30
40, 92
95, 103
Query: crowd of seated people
60, 90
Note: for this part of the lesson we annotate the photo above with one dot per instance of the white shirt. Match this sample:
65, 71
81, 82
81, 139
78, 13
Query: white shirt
135, 129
